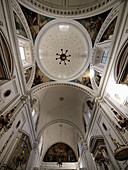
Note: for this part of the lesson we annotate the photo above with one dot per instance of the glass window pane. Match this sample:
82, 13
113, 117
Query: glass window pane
22, 54
104, 57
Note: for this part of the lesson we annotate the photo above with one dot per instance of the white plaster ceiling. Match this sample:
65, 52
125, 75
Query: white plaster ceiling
61, 105
54, 110
66, 36
59, 132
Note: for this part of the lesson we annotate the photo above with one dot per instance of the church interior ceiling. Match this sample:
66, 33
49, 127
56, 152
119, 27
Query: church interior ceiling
37, 21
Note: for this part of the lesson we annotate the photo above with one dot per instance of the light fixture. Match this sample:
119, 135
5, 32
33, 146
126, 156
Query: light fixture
5, 121
63, 56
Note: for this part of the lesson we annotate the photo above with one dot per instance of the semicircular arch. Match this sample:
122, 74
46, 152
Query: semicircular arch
81, 135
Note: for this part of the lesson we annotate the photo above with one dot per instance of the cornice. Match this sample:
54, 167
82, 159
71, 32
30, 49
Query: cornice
80, 87
77, 12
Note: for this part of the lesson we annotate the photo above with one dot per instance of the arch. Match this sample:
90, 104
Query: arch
83, 12
61, 148
6, 60
121, 67
61, 121
90, 93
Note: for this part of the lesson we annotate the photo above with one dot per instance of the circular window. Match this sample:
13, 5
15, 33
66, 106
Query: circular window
7, 93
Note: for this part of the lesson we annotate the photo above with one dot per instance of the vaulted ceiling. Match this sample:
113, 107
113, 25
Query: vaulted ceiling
61, 108
61, 105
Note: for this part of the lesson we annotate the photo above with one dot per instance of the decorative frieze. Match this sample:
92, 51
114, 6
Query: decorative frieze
79, 87
83, 11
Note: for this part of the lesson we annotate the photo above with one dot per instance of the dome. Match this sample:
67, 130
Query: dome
63, 49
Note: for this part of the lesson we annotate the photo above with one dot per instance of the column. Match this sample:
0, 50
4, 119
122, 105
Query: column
33, 161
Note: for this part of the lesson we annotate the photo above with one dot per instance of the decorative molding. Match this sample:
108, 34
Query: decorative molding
85, 146
121, 63
111, 104
80, 87
112, 15
81, 31
20, 14
99, 118
106, 141
114, 126
7, 46
16, 112
83, 12
4, 109
81, 135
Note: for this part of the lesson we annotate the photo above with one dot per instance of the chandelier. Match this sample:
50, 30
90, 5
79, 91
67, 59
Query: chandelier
63, 57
